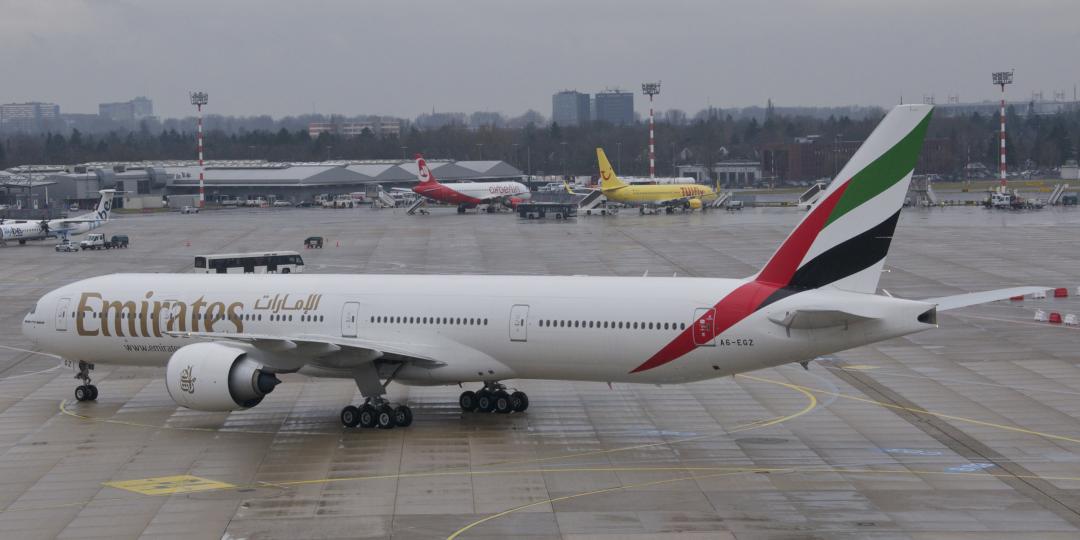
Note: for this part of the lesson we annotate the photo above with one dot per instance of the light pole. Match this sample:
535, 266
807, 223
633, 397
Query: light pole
651, 89
618, 157
1002, 78
403, 149
563, 159
480, 151
198, 99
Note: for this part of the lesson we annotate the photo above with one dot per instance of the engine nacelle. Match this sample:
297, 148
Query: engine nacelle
695, 204
217, 377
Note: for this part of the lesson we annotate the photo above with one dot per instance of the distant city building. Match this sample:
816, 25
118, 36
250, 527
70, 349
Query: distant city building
127, 111
436, 120
486, 119
570, 108
28, 116
380, 127
615, 107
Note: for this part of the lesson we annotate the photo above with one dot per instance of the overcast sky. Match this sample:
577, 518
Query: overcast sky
406, 57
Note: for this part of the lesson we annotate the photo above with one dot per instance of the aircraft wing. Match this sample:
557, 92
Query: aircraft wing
808, 319
289, 353
946, 303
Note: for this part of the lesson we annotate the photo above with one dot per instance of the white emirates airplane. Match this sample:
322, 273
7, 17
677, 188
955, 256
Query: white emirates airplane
224, 339
23, 231
467, 194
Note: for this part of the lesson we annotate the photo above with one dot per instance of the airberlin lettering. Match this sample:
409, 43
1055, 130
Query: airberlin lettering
502, 189
119, 318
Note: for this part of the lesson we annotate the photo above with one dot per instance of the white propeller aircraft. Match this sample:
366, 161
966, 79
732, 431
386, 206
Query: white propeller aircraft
62, 228
224, 339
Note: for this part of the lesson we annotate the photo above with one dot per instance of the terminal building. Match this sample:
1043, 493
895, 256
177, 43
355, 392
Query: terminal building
146, 184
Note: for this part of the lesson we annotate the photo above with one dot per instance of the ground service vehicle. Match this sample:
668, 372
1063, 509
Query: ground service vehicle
313, 242
95, 241
119, 241
271, 262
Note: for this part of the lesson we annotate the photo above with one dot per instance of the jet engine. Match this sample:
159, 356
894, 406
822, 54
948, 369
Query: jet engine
695, 204
217, 377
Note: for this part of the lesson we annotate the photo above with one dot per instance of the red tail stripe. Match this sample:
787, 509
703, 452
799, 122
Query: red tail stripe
782, 266
746, 299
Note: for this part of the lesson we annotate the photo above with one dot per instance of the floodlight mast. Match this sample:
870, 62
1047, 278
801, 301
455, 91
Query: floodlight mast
651, 89
198, 99
1002, 78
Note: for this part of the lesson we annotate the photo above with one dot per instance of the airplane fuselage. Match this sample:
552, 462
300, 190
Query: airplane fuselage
654, 193
470, 193
493, 327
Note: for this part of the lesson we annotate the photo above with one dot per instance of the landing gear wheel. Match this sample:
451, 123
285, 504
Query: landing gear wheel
367, 416
350, 416
384, 417
519, 401
403, 416
82, 393
468, 401
501, 402
93, 392
485, 402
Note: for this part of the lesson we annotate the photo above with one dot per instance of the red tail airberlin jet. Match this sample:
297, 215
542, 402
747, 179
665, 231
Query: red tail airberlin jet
467, 194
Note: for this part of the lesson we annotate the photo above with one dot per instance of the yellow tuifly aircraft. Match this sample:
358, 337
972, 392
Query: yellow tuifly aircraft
692, 196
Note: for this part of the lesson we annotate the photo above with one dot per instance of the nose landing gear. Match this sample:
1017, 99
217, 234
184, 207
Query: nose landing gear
85, 391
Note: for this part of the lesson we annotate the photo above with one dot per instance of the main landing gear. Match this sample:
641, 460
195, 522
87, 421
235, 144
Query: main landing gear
85, 391
493, 397
377, 411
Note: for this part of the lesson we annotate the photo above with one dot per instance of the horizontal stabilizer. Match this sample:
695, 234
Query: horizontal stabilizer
946, 303
807, 319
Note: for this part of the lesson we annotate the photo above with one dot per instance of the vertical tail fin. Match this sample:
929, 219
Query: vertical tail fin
608, 179
423, 173
104, 206
843, 240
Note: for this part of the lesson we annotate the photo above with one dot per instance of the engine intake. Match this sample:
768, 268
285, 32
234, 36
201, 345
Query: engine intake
217, 377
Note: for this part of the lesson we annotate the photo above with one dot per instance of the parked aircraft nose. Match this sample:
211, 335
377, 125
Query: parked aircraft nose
31, 324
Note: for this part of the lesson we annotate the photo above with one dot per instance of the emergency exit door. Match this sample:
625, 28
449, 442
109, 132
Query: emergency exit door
349, 318
519, 323
705, 327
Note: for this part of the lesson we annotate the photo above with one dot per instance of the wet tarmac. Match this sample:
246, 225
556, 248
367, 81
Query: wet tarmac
971, 431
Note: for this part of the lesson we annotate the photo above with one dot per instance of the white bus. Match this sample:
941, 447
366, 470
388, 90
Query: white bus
272, 262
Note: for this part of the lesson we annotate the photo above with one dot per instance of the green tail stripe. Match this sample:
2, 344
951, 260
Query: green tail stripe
883, 173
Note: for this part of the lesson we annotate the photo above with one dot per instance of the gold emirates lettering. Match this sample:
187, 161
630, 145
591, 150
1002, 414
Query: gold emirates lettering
128, 318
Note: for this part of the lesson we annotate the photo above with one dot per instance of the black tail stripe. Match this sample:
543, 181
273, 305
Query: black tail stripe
840, 261
848, 257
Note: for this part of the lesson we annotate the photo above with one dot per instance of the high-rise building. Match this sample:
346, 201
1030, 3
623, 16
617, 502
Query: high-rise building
28, 116
615, 107
127, 111
570, 108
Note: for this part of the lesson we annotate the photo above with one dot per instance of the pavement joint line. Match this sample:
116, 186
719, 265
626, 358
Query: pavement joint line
1022, 480
984, 474
918, 410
